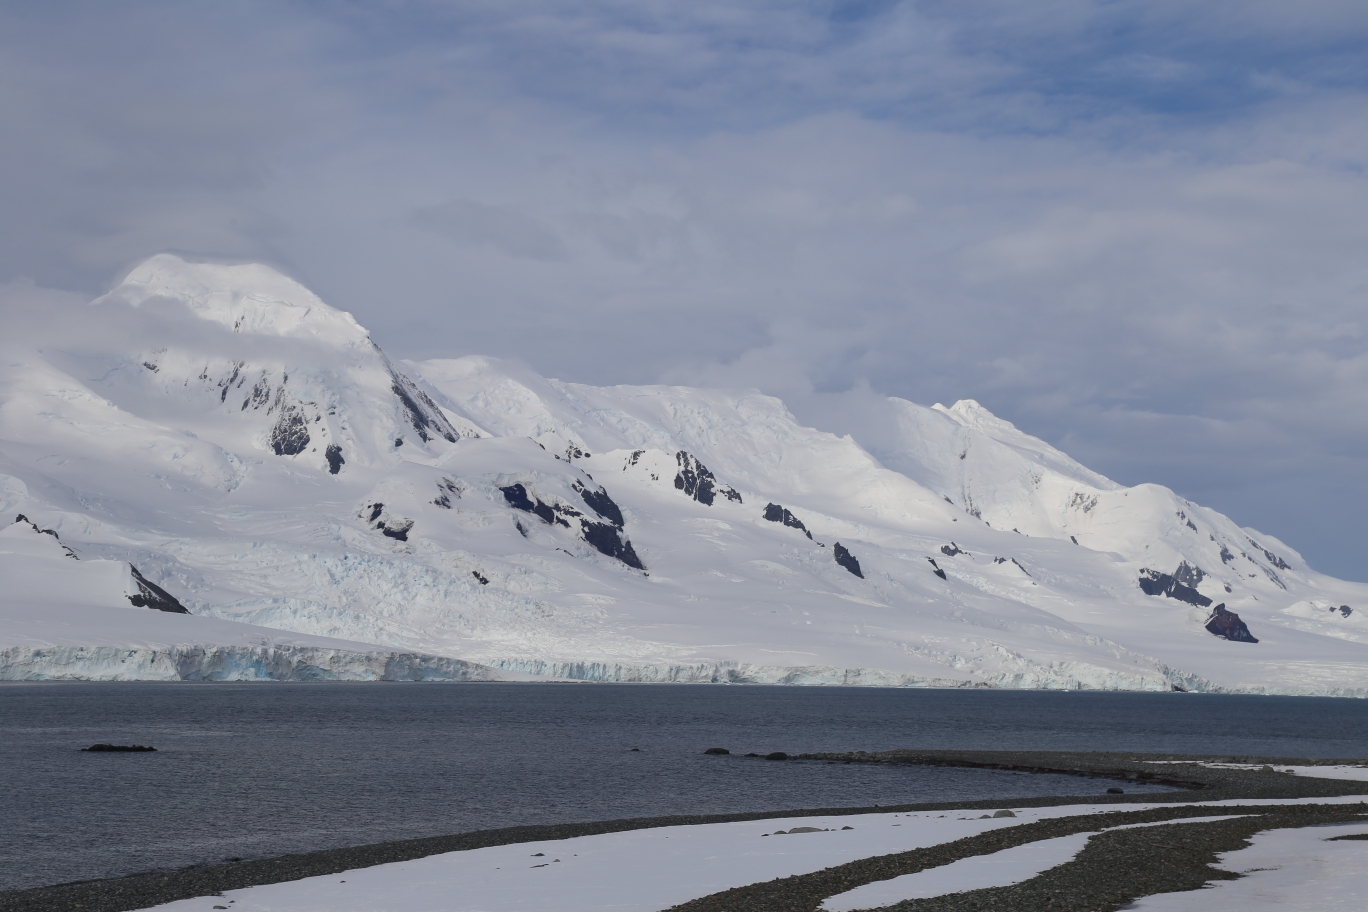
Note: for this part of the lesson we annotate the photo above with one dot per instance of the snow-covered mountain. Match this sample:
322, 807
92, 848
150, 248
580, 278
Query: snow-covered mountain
219, 434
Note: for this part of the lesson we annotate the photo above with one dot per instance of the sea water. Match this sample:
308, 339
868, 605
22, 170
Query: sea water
255, 770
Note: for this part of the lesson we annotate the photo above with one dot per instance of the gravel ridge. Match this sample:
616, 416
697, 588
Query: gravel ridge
140, 891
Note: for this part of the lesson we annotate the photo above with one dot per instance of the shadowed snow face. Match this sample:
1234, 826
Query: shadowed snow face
1134, 229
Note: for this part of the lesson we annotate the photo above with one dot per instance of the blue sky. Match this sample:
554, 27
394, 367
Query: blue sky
1134, 229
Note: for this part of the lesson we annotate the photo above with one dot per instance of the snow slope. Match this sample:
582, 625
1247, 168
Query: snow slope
249, 449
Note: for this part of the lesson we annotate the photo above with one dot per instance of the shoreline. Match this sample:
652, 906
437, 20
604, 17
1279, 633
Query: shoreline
1205, 784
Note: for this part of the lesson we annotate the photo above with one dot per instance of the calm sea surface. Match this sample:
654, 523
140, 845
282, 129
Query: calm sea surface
264, 769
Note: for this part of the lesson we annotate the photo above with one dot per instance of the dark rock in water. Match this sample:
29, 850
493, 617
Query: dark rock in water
846, 559
601, 503
952, 549
1228, 626
606, 539
334, 456
483, 580
939, 571
1152, 582
1116, 791
120, 748
776, 513
695, 480
717, 750
150, 595
777, 755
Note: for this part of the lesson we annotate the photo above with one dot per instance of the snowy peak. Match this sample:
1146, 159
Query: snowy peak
248, 298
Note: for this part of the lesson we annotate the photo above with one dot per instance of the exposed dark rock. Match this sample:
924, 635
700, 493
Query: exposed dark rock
776, 513
601, 503
1187, 522
1228, 626
1272, 558
1344, 610
1152, 582
717, 750
259, 396
447, 488
483, 580
776, 755
695, 480
1073, 539
290, 435
1116, 791
150, 595
937, 569
606, 539
1189, 575
121, 748
519, 499
334, 456
398, 442
69, 553
952, 549
1226, 556
395, 528
846, 559
427, 419
1021, 568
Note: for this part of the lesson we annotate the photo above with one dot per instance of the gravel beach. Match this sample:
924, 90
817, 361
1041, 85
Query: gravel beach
1116, 867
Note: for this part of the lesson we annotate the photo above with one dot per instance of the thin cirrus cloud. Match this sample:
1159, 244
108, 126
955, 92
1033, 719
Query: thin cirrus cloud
1135, 229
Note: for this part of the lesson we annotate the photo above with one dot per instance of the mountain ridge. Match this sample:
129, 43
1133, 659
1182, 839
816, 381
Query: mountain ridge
253, 452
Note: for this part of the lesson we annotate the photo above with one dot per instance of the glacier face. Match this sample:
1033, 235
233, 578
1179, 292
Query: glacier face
325, 512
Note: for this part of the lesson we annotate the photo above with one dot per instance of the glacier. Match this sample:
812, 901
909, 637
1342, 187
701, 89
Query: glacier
326, 513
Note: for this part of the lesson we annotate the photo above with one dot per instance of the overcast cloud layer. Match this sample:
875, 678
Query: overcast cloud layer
1137, 230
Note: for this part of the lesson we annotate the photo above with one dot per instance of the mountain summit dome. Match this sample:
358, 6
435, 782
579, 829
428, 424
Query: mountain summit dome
248, 298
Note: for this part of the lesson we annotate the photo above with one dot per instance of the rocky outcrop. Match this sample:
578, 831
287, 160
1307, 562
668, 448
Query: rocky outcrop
696, 481
150, 595
396, 527
423, 414
846, 559
334, 456
600, 503
1228, 626
604, 537
776, 513
1152, 582
936, 568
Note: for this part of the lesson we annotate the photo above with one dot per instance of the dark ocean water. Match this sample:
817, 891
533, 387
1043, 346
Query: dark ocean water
259, 769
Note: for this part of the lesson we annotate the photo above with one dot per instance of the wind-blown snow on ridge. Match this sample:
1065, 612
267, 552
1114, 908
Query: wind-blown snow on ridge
250, 449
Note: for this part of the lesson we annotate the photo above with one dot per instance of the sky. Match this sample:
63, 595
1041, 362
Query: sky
1136, 230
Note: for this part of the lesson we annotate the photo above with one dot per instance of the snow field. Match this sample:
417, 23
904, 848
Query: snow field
1308, 870
654, 869
251, 450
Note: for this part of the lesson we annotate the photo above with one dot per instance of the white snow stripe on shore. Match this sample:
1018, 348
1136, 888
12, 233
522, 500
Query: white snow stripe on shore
1302, 869
980, 872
